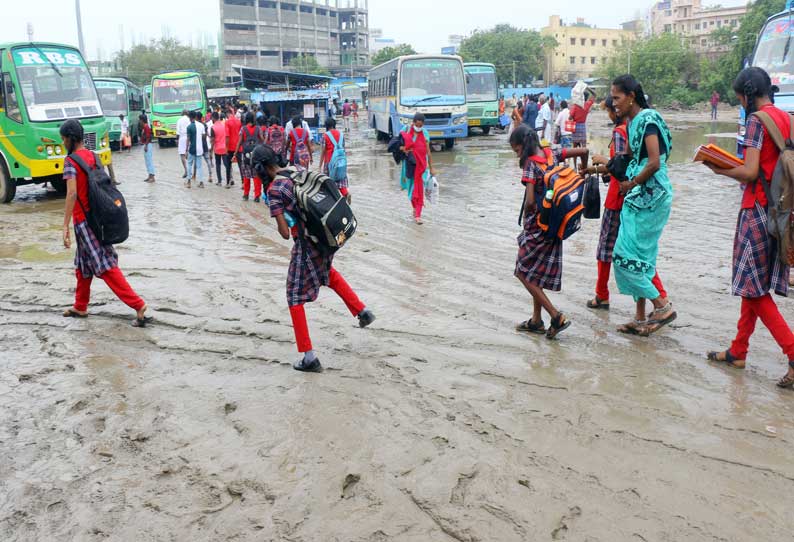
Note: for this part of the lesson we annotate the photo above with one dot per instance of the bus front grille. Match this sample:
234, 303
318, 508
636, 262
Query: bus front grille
437, 119
89, 140
476, 111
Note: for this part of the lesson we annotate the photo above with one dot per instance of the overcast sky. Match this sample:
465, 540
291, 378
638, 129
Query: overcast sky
423, 23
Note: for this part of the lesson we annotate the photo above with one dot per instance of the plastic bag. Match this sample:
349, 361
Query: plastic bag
432, 190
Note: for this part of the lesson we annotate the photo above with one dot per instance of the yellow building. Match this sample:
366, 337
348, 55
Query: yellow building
581, 49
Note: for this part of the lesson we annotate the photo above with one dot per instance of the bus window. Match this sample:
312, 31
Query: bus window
10, 99
113, 100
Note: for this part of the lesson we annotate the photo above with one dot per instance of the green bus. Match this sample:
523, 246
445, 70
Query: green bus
44, 84
119, 96
171, 94
482, 95
147, 98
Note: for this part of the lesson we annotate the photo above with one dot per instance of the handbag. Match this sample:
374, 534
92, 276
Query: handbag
126, 141
592, 198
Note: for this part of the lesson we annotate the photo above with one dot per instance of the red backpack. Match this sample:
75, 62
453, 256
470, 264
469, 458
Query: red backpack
276, 139
301, 155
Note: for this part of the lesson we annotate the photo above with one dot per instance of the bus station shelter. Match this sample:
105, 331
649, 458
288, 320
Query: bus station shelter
279, 92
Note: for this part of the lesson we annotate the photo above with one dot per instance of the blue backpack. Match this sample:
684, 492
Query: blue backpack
337, 166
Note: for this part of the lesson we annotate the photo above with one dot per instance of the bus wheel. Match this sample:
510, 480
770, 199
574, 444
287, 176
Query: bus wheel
59, 185
160, 143
449, 143
8, 188
486, 130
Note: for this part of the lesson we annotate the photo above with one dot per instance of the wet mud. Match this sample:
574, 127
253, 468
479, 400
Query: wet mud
437, 423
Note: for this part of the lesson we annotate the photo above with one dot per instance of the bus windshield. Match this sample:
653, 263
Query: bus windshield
481, 85
55, 84
433, 81
174, 95
113, 98
775, 52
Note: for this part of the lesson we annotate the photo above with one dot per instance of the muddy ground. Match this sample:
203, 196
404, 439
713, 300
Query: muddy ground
438, 423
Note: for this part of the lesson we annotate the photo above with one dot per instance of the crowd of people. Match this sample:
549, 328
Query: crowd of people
636, 209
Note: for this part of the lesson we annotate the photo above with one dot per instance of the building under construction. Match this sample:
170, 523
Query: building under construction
270, 34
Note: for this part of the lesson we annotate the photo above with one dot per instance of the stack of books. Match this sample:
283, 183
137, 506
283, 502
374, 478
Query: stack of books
717, 157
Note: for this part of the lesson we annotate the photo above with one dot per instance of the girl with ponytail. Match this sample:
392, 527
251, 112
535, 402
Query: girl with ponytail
756, 266
539, 261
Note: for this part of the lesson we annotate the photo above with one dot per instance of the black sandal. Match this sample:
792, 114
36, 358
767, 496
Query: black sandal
633, 328
558, 324
598, 303
727, 359
655, 324
142, 322
308, 366
530, 327
71, 313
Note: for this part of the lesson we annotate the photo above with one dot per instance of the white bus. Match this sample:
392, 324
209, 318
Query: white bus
431, 84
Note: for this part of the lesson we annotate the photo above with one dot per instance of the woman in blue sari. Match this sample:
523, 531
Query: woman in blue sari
646, 209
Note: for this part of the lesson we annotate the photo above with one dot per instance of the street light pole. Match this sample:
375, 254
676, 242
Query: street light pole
79, 27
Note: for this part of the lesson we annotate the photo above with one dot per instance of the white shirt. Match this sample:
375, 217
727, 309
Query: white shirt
181, 126
304, 125
562, 118
125, 127
545, 115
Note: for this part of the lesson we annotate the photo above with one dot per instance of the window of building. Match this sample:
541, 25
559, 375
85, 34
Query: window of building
711, 23
697, 26
734, 22
573, 60
703, 42
306, 9
267, 4
583, 60
288, 7
667, 28
592, 60
603, 43
332, 14
582, 42
573, 41
719, 24
614, 43
592, 43
249, 3
268, 53
668, 13
243, 27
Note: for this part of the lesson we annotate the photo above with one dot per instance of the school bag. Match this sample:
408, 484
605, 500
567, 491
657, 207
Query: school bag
108, 217
592, 198
327, 215
249, 144
561, 210
337, 166
276, 139
302, 156
779, 190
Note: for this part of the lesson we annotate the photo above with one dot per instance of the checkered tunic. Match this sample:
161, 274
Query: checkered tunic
309, 269
610, 226
341, 184
539, 259
580, 135
756, 267
91, 257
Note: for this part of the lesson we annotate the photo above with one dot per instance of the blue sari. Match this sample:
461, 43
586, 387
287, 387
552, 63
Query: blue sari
646, 210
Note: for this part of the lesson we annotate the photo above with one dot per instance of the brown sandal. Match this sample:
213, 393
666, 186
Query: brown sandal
632, 328
788, 380
71, 313
655, 323
726, 359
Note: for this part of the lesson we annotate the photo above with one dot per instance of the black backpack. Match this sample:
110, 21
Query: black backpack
592, 198
249, 144
108, 217
328, 218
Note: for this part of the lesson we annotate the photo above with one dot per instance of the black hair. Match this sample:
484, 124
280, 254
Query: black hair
274, 120
528, 140
330, 123
754, 83
192, 115
263, 158
293, 112
215, 116
297, 122
72, 130
627, 84
563, 104
420, 117
249, 118
261, 121
533, 98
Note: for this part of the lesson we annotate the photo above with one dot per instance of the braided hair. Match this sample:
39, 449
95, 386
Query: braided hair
754, 83
527, 138
627, 84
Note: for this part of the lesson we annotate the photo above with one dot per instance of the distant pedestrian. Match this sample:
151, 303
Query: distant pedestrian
303, 124
545, 121
92, 259
250, 137
347, 111
552, 102
299, 144
146, 141
277, 140
206, 142
181, 134
579, 115
195, 151
355, 112
562, 122
219, 148
233, 126
126, 139
531, 112
517, 115
416, 144
331, 139
715, 101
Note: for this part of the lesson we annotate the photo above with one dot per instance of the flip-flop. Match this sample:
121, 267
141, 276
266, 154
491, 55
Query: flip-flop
310, 367
71, 313
598, 303
730, 359
654, 325
142, 322
633, 327
529, 327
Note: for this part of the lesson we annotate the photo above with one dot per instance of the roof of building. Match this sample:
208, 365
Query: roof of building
254, 78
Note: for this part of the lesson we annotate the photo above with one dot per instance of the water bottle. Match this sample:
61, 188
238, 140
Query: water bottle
545, 207
290, 219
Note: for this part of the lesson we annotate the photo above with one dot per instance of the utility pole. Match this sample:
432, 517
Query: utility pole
514, 73
30, 32
79, 27
629, 69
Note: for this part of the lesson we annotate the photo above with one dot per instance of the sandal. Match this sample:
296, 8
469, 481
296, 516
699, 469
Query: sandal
530, 327
142, 322
786, 382
598, 303
558, 324
71, 313
633, 328
726, 359
655, 323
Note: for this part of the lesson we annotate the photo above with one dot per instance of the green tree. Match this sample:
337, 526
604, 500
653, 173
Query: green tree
308, 64
167, 54
513, 51
388, 53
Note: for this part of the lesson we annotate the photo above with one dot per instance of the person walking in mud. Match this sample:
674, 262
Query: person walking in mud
92, 259
757, 269
539, 260
610, 220
715, 102
416, 141
146, 141
181, 133
646, 208
309, 267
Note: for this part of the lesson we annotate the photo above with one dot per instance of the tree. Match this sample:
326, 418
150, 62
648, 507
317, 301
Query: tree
308, 64
167, 54
517, 54
388, 53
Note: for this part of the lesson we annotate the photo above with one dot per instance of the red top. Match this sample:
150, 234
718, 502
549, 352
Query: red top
219, 131
329, 145
146, 134
614, 201
579, 114
769, 155
296, 135
233, 126
252, 133
72, 171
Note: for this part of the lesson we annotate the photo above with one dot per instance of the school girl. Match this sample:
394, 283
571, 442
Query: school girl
309, 267
331, 139
539, 261
92, 259
756, 266
610, 221
299, 144
277, 140
248, 132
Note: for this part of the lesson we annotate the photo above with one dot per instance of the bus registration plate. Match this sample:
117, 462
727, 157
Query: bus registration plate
474, 122
436, 134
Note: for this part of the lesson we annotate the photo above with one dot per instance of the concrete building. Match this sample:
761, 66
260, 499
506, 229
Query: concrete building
581, 49
269, 34
377, 42
690, 19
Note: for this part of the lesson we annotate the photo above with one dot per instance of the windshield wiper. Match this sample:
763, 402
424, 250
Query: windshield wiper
426, 98
54, 67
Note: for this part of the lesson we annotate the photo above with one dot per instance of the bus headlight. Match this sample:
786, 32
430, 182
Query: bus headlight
49, 151
461, 120
492, 114
58, 150
105, 140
